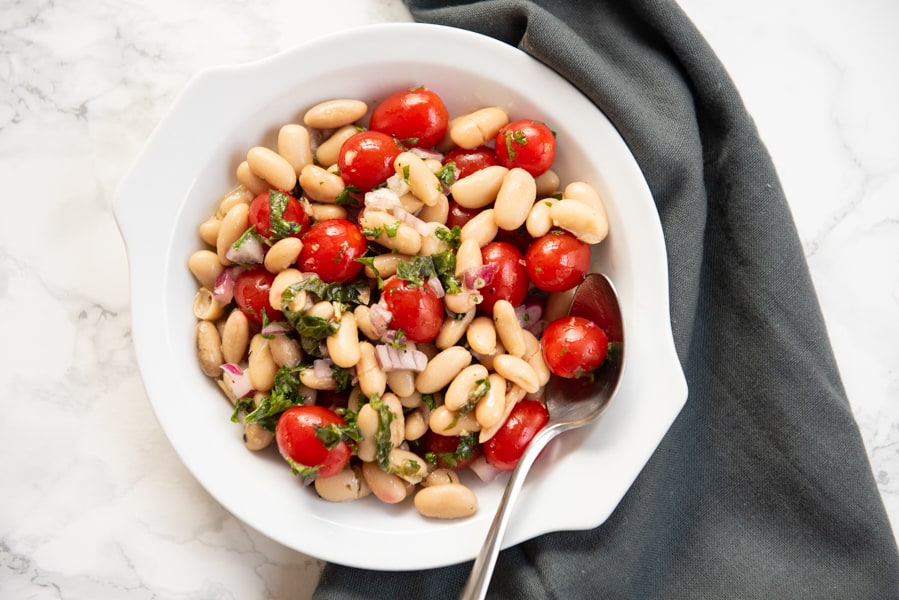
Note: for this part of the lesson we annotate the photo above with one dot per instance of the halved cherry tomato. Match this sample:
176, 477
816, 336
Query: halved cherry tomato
295, 434
330, 250
470, 161
251, 290
527, 144
416, 310
511, 279
445, 447
417, 117
557, 261
574, 346
505, 448
366, 159
293, 219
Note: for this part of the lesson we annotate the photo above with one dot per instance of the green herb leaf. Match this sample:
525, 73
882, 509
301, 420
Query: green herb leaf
517, 137
280, 227
447, 174
416, 271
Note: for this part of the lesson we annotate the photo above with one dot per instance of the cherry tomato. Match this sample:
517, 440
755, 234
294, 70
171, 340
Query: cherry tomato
459, 215
526, 144
444, 447
251, 289
574, 346
366, 159
293, 215
330, 250
470, 161
417, 118
557, 261
298, 444
505, 448
511, 279
416, 309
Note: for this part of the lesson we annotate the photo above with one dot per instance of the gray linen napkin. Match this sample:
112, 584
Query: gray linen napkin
762, 488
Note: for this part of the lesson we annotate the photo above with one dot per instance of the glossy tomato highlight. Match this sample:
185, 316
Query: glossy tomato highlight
417, 118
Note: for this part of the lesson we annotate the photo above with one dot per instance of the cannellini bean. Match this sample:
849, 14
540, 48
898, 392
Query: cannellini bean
286, 351
207, 308
385, 264
481, 335
450, 501
323, 212
209, 230
487, 359
363, 322
464, 385
343, 346
205, 267
586, 193
413, 400
461, 302
235, 337
477, 128
453, 329
450, 422
320, 185
395, 235
417, 423
518, 371
398, 420
282, 254
233, 225
250, 180
547, 183
401, 382
410, 203
481, 228
431, 244
295, 145
367, 421
236, 195
489, 409
539, 221
347, 485
387, 487
515, 198
322, 309
407, 465
283, 280
533, 354
372, 380
580, 220
262, 367
335, 113
422, 181
508, 328
468, 256
209, 348
256, 437
437, 212
480, 188
440, 477
442, 369
270, 166
328, 151
514, 395
310, 379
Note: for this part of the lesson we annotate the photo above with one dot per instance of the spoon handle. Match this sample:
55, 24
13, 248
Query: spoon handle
479, 579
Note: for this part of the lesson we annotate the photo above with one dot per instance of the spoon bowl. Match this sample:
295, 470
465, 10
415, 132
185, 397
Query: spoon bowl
571, 403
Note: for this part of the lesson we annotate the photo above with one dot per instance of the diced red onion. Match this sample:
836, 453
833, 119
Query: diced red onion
380, 319
412, 221
250, 252
479, 277
321, 367
275, 328
396, 359
529, 315
397, 184
237, 379
223, 290
382, 198
426, 154
436, 287
484, 470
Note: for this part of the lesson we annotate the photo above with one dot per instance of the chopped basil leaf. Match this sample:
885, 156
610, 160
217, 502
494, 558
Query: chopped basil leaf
392, 228
373, 233
383, 444
347, 196
406, 173
416, 271
242, 405
332, 292
307, 473
447, 174
517, 137
451, 237
333, 434
369, 261
280, 228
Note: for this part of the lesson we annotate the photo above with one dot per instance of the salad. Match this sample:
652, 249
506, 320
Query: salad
382, 297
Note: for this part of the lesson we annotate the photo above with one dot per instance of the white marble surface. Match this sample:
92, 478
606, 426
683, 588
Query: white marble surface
95, 504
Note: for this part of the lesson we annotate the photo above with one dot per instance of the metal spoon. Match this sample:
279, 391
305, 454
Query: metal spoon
572, 403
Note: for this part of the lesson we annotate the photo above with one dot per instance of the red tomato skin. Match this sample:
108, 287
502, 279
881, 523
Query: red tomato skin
557, 261
251, 290
261, 218
416, 310
445, 444
526, 144
505, 448
459, 215
295, 436
366, 159
574, 346
417, 118
470, 161
330, 249
511, 279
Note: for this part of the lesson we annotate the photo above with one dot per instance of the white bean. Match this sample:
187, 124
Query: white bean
282, 254
481, 228
481, 335
508, 327
517, 371
515, 198
479, 127
262, 367
335, 113
464, 386
387, 487
442, 369
206, 307
450, 501
267, 164
250, 180
234, 224
209, 348
582, 221
347, 485
235, 337
320, 185
328, 151
343, 346
205, 267
372, 380
422, 181
295, 145
480, 188
489, 409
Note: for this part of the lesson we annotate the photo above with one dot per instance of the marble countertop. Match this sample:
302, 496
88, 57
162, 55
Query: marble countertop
93, 493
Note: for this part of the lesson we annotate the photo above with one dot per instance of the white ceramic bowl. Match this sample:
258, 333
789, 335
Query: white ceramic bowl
189, 162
